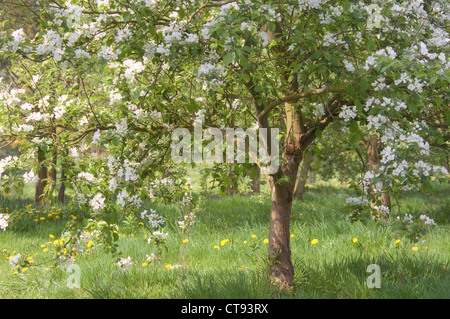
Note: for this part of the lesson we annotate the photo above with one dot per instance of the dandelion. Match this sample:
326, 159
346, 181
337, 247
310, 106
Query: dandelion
292, 235
51, 236
415, 248
223, 242
355, 240
253, 236
266, 241
45, 250
244, 242
216, 247
185, 241
89, 244
144, 264
169, 266
397, 241
314, 241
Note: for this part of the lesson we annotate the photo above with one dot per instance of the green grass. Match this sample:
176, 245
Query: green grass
333, 268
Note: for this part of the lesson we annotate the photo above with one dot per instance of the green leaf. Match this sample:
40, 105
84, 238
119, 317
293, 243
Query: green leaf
228, 58
371, 45
126, 16
351, 91
271, 26
364, 85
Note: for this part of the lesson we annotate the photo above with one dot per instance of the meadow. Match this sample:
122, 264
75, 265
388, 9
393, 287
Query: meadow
224, 254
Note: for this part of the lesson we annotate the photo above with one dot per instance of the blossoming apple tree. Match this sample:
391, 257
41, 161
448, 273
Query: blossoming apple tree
117, 76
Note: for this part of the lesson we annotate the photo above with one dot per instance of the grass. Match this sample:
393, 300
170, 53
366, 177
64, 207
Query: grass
335, 267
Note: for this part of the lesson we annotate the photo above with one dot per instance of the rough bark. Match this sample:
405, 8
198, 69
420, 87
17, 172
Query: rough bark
282, 190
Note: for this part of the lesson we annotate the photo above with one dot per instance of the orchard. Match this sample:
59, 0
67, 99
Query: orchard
347, 99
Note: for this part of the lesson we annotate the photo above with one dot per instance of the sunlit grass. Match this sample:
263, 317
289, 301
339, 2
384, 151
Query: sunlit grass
224, 254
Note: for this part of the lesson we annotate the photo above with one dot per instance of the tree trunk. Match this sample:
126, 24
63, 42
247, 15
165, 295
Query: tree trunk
62, 189
42, 177
51, 176
282, 191
303, 177
281, 268
373, 149
255, 175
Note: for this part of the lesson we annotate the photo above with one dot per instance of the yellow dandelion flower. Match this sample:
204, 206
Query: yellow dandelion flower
169, 266
253, 236
223, 242
216, 247
355, 240
292, 235
415, 248
244, 241
42, 218
51, 236
42, 246
314, 241
266, 241
397, 241
45, 250
185, 241
89, 244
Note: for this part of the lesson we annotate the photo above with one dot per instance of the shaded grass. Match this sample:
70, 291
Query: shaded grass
335, 267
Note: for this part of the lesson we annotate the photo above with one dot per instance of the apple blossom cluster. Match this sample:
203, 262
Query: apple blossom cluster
408, 218
97, 202
7, 163
152, 218
3, 221
158, 236
124, 263
188, 220
15, 260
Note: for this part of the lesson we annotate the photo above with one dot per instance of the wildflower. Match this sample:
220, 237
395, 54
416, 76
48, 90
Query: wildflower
216, 247
253, 236
415, 248
89, 244
355, 240
51, 236
292, 235
266, 241
223, 242
144, 264
185, 241
45, 250
244, 241
397, 241
169, 266
314, 241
